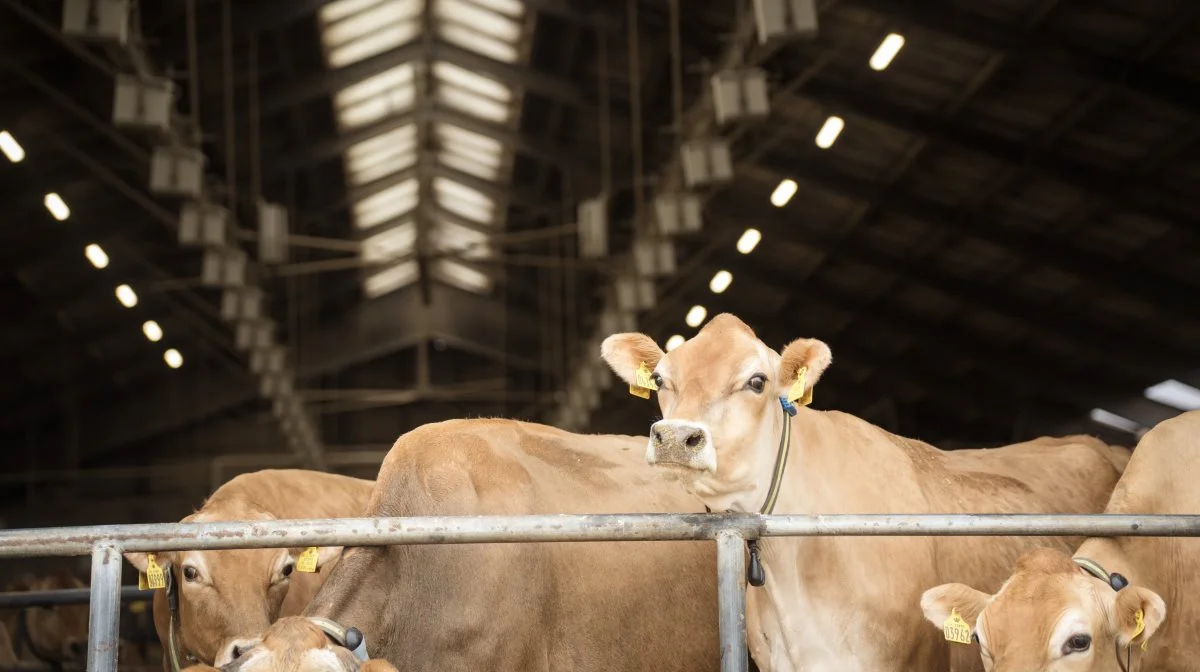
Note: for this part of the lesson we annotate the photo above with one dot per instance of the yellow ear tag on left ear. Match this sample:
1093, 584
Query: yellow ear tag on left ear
142, 585
800, 390
155, 579
1139, 627
307, 562
956, 629
643, 382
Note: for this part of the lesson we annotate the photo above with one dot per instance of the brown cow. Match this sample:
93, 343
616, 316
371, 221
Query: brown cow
226, 597
57, 634
296, 644
584, 607
841, 603
1059, 613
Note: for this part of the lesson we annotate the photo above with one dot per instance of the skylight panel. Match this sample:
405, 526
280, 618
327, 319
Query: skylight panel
382, 155
463, 201
396, 242
341, 9
383, 39
485, 168
451, 236
461, 276
482, 85
374, 30
374, 98
449, 133
470, 152
473, 104
386, 205
485, 22
390, 279
512, 8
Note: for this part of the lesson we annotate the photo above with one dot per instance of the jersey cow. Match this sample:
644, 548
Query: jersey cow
1059, 613
226, 598
297, 644
840, 603
585, 607
54, 635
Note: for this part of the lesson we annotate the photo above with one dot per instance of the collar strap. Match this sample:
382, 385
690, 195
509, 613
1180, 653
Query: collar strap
1092, 567
781, 455
351, 638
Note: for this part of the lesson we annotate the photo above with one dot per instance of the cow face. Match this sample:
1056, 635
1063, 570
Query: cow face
1051, 616
59, 632
296, 644
226, 598
719, 394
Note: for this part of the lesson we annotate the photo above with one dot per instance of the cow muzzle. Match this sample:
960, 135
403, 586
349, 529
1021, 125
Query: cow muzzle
681, 443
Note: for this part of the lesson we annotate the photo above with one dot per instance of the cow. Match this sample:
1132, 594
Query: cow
294, 644
1106, 606
584, 607
53, 635
230, 596
839, 603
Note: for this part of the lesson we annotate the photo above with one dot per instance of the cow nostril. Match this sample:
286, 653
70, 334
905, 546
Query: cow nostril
657, 436
237, 651
695, 439
79, 648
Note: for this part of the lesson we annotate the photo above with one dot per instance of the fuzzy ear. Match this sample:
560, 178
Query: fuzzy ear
1129, 601
325, 554
939, 601
625, 352
138, 560
804, 352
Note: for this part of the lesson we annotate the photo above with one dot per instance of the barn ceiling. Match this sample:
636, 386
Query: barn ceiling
994, 229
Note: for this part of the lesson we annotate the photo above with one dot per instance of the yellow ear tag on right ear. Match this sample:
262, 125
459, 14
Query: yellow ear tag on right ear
956, 629
800, 390
307, 562
1139, 627
155, 579
643, 382
142, 585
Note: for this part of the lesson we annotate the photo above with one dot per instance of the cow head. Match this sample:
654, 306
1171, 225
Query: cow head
296, 643
60, 632
225, 598
719, 394
1051, 616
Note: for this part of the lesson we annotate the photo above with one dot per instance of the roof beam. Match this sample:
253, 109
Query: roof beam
1091, 179
1039, 50
1151, 287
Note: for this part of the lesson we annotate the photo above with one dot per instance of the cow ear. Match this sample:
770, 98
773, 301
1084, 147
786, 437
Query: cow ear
804, 352
325, 554
1131, 601
377, 665
624, 353
140, 561
940, 601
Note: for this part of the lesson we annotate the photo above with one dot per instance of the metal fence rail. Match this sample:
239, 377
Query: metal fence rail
105, 543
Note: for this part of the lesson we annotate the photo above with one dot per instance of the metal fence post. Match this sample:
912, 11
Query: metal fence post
104, 615
731, 599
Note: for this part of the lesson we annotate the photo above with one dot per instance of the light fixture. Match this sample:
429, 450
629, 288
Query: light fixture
126, 296
829, 132
783, 193
1175, 394
720, 281
674, 342
96, 255
152, 331
1115, 421
695, 316
173, 358
57, 206
886, 51
11, 148
748, 241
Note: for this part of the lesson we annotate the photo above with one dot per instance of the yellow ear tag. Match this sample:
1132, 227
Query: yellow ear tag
1139, 627
307, 562
154, 574
142, 585
644, 382
956, 629
800, 390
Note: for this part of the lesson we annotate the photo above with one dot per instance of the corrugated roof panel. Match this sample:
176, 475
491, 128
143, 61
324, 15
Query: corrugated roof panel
380, 27
383, 155
479, 29
390, 279
374, 98
386, 205
461, 276
463, 201
394, 243
448, 235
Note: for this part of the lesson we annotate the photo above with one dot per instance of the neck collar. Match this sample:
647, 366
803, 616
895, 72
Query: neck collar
1117, 582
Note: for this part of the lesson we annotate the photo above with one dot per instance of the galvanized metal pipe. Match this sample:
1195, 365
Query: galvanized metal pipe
50, 598
591, 527
731, 600
104, 616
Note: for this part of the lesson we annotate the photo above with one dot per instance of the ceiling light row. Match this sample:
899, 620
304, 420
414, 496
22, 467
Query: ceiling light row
95, 254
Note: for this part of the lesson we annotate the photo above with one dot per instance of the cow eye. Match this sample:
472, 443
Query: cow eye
191, 573
1077, 644
287, 569
658, 380
757, 383
975, 637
